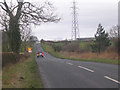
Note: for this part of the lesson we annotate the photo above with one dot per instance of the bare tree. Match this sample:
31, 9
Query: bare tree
115, 36
113, 32
25, 35
23, 14
4, 21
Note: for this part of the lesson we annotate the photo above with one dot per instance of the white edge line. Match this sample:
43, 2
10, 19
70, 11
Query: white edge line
44, 56
86, 68
112, 79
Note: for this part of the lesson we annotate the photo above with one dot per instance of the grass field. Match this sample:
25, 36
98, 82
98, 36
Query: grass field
50, 50
24, 74
83, 44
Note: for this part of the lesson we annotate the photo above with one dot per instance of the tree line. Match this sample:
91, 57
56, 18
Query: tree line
101, 42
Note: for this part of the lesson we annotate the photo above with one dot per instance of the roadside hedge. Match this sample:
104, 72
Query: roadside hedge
9, 58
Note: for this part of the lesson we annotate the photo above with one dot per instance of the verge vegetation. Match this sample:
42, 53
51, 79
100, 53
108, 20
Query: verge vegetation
105, 57
23, 74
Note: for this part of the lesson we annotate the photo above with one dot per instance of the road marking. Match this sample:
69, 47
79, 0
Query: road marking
86, 68
112, 79
69, 63
44, 57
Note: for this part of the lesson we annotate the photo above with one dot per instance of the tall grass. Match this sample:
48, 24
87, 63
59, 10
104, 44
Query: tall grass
111, 58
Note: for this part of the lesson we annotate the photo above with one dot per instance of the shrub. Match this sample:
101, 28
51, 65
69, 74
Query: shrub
71, 47
12, 58
57, 47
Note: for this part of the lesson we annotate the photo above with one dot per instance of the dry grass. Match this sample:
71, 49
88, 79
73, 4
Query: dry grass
90, 55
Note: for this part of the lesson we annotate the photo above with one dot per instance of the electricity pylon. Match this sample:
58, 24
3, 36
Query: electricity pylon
75, 26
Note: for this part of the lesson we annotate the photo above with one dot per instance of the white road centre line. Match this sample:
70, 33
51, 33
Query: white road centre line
112, 79
86, 68
69, 63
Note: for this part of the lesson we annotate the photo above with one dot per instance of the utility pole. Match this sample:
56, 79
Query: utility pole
75, 26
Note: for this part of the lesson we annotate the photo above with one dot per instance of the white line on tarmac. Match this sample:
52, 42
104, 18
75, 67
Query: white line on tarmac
86, 68
44, 57
112, 79
69, 63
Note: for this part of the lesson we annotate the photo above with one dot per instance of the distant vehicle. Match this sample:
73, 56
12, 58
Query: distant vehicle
40, 54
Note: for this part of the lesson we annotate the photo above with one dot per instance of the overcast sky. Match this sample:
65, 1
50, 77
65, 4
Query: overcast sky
90, 14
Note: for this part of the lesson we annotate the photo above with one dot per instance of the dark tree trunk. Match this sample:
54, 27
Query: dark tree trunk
14, 35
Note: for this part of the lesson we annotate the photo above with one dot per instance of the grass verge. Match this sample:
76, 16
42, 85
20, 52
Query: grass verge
98, 60
24, 74
50, 50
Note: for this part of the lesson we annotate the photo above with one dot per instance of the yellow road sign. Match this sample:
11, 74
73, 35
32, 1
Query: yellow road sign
29, 50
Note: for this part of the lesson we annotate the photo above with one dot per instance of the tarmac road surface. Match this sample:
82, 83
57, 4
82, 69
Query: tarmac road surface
62, 73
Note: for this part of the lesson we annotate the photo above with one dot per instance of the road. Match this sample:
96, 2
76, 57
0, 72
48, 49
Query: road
62, 73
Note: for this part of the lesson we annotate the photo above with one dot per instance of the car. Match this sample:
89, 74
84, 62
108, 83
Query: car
40, 54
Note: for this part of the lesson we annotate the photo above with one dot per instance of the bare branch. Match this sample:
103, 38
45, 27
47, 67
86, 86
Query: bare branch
113, 32
19, 10
2, 6
14, 8
7, 9
36, 14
